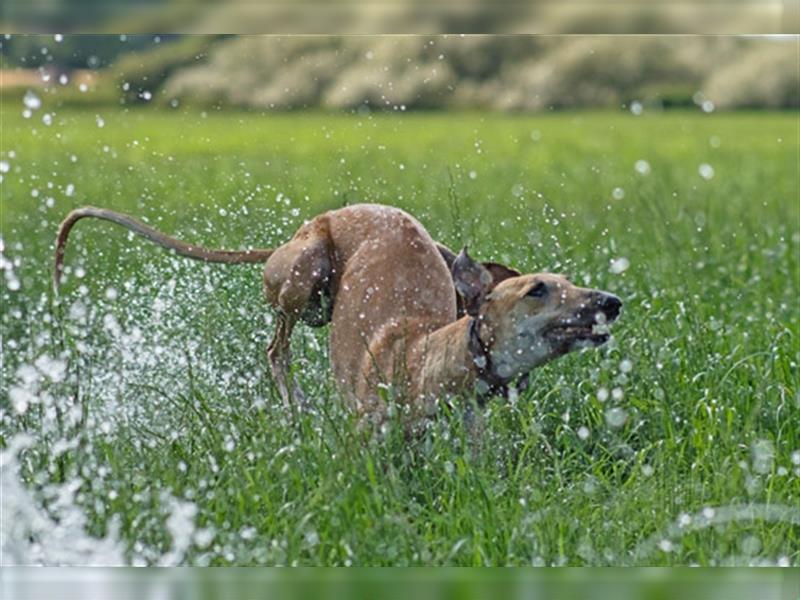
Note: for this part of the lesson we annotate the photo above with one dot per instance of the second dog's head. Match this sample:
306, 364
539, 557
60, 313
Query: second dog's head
527, 320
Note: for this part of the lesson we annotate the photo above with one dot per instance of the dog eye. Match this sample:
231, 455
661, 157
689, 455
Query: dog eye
538, 291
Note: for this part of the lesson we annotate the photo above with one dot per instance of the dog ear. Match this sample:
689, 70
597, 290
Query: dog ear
448, 255
500, 272
472, 281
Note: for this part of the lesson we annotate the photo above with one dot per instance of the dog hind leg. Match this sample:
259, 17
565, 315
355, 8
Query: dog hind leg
294, 278
279, 354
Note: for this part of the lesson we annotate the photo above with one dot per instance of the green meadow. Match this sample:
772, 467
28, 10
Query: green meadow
139, 417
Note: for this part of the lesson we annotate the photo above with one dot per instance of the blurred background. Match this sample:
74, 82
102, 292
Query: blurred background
402, 16
430, 584
370, 72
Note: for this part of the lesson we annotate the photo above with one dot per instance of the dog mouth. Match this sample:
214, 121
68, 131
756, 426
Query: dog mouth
594, 332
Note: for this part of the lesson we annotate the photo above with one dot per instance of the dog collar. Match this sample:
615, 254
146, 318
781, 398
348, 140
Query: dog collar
482, 359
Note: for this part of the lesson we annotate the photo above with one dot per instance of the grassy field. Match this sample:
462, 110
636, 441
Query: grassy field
152, 422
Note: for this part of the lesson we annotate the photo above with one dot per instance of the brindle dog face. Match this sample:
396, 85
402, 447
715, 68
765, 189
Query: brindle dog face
531, 319
534, 318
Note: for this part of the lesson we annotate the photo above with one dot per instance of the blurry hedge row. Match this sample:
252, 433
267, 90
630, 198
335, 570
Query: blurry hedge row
507, 73
495, 72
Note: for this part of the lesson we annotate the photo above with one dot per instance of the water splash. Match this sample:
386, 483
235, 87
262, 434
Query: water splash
33, 536
718, 515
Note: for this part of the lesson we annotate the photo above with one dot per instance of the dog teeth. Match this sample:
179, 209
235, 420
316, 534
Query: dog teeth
600, 329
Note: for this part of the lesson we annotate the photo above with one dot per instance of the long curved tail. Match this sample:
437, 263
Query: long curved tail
181, 248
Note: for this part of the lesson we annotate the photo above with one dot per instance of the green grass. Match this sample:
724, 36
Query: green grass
166, 393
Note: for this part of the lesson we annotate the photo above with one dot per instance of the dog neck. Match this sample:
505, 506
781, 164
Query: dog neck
456, 359
488, 382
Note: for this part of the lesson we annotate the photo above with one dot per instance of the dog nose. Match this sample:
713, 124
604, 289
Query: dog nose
610, 305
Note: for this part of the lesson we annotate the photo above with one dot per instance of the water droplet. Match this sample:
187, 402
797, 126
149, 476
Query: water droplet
751, 545
21, 398
204, 537
52, 368
616, 417
618, 193
312, 538
763, 455
619, 265
706, 171
642, 167
31, 101
505, 370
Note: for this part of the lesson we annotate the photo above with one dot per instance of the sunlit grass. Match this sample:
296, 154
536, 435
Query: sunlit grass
167, 396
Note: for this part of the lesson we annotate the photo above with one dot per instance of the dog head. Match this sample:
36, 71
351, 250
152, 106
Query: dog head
527, 320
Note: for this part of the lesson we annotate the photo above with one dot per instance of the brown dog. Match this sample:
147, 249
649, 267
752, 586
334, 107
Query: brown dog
390, 293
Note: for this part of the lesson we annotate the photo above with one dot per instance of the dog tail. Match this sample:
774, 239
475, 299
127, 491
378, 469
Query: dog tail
181, 248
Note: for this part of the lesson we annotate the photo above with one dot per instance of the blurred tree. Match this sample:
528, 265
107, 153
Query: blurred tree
71, 15
74, 51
